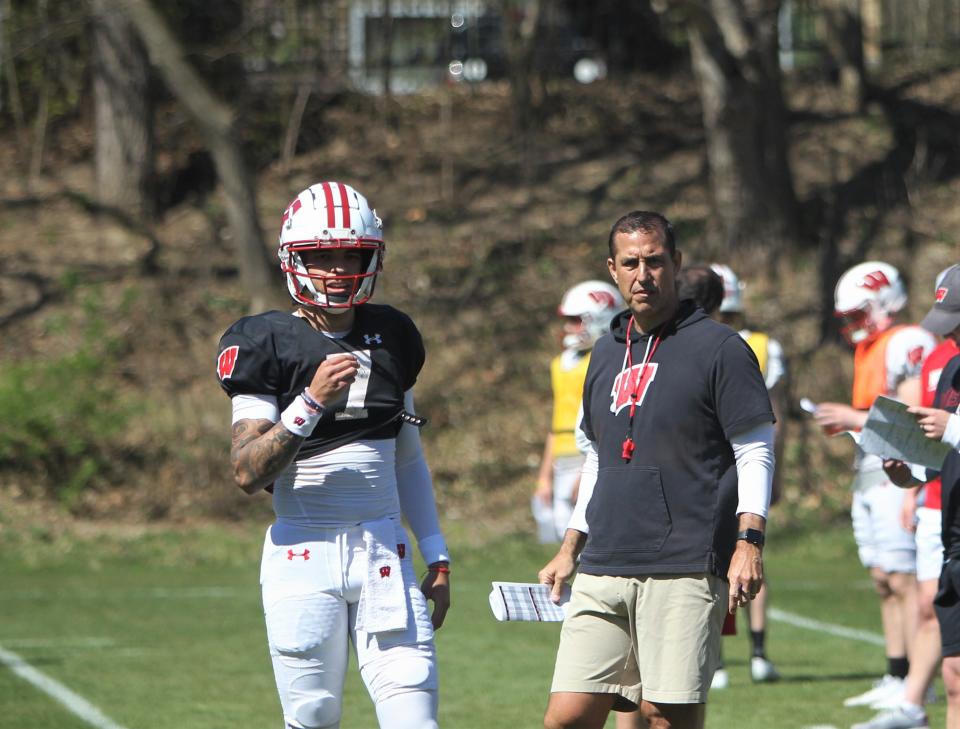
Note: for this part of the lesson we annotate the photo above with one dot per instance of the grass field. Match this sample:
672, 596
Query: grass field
164, 631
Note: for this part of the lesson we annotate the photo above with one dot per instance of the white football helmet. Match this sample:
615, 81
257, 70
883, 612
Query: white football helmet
595, 303
732, 289
330, 216
866, 298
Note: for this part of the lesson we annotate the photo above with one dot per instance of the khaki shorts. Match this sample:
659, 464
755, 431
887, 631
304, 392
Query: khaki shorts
655, 638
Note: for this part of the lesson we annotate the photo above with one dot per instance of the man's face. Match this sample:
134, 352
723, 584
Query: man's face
645, 272
336, 267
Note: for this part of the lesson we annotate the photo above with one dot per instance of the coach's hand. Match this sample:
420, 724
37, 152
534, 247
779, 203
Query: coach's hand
561, 568
436, 587
745, 574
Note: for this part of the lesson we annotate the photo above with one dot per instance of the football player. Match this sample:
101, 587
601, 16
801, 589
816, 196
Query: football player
323, 417
587, 309
887, 361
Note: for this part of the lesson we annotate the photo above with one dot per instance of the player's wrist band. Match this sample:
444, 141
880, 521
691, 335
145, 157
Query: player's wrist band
299, 418
441, 568
310, 402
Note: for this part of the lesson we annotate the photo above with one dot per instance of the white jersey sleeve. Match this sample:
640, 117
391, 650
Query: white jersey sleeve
776, 364
906, 351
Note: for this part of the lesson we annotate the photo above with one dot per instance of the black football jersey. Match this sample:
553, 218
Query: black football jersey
277, 353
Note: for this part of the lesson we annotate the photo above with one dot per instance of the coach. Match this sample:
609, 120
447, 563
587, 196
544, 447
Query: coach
675, 408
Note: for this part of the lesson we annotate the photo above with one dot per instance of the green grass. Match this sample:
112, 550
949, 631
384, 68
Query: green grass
164, 631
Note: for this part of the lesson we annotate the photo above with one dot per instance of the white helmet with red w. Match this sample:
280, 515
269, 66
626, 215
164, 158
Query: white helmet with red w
594, 303
866, 298
330, 216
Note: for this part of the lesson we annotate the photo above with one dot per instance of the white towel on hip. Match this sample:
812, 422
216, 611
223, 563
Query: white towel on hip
383, 599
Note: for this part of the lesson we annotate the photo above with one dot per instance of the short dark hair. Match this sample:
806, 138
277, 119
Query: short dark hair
702, 284
648, 222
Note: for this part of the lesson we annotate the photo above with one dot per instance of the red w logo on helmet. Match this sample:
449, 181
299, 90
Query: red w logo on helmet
604, 298
227, 361
875, 280
291, 210
941, 294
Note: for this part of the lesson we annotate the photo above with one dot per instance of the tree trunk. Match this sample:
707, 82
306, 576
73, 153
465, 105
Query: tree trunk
124, 114
844, 40
735, 57
520, 33
217, 122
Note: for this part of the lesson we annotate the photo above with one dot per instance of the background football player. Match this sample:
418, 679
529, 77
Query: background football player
587, 309
323, 413
887, 361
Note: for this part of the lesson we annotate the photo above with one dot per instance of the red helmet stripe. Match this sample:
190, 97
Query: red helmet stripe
331, 215
345, 203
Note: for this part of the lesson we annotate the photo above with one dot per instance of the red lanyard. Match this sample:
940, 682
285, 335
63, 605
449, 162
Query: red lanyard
628, 444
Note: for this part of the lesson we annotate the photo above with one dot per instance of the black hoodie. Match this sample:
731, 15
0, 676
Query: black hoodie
671, 508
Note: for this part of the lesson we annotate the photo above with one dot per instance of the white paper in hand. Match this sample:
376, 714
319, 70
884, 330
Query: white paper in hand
527, 601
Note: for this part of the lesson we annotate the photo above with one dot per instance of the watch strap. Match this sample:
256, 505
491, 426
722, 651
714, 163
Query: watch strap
753, 536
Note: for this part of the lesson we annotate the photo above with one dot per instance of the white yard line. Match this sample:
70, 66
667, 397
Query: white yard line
799, 621
74, 703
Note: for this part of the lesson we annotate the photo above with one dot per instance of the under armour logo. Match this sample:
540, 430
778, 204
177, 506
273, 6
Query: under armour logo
385, 571
298, 420
305, 554
372, 339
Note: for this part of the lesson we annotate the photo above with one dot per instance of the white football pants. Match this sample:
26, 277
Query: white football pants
310, 593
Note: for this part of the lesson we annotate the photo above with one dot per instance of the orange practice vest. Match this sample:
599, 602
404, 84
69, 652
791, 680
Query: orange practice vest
870, 369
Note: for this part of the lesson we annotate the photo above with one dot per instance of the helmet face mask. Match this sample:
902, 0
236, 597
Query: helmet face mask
866, 299
860, 324
335, 290
331, 216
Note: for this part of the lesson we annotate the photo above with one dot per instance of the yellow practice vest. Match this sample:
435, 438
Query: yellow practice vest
567, 394
757, 341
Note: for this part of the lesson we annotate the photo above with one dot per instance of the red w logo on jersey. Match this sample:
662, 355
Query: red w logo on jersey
384, 571
875, 280
941, 294
635, 380
227, 361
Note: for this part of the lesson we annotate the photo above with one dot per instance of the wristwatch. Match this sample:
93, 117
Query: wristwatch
754, 536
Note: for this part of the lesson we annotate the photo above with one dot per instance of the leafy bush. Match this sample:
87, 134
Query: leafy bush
59, 417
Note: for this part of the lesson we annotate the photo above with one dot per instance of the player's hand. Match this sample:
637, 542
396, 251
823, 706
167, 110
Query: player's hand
745, 575
932, 421
334, 375
436, 587
556, 573
835, 417
898, 472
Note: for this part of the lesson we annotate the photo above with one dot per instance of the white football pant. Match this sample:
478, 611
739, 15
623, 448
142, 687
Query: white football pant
310, 594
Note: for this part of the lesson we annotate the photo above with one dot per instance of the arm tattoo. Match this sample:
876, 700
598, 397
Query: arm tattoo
260, 451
